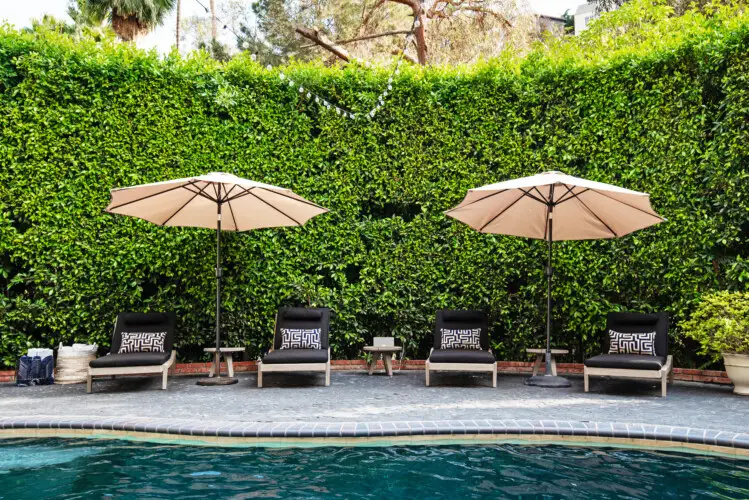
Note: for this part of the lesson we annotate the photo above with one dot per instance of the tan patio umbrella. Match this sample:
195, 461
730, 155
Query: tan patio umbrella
217, 201
554, 206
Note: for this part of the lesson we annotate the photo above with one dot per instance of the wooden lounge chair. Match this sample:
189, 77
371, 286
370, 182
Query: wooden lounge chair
137, 363
638, 366
461, 360
292, 359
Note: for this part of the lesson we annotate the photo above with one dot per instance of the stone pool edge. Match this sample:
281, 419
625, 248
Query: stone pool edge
377, 433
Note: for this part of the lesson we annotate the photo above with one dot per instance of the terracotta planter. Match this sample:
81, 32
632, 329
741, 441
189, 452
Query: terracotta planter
737, 368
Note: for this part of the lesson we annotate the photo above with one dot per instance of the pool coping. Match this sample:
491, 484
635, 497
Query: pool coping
372, 433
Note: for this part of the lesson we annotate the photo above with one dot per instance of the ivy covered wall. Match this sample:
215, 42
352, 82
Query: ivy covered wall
79, 118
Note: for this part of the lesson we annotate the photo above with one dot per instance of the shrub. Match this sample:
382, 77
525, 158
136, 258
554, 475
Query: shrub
720, 323
665, 113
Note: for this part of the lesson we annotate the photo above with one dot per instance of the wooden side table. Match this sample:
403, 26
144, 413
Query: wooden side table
386, 352
540, 354
227, 352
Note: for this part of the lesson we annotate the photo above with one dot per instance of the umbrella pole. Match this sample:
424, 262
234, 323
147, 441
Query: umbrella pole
548, 379
549, 274
218, 379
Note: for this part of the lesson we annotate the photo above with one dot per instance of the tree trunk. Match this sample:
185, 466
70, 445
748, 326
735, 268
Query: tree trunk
127, 26
179, 19
214, 31
419, 33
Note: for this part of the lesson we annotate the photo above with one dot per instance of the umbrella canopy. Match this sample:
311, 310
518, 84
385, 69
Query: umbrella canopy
554, 206
194, 201
583, 209
217, 201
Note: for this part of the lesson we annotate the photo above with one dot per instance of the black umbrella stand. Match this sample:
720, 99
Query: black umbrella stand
218, 379
547, 379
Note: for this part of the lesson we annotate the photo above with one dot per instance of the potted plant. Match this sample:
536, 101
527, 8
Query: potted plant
721, 325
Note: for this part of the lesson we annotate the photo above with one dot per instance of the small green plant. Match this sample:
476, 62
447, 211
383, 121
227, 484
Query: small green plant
721, 324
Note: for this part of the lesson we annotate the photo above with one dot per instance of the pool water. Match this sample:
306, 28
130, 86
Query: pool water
120, 469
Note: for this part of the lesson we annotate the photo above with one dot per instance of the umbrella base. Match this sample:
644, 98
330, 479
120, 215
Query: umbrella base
547, 381
217, 381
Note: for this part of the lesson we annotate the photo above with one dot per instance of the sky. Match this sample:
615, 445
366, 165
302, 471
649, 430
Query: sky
20, 14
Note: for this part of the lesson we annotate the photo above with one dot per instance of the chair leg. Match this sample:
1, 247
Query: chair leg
89, 384
586, 381
327, 374
553, 366
164, 376
427, 374
260, 375
494, 376
664, 385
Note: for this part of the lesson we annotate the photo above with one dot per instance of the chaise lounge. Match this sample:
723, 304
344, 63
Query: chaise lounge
461, 344
141, 345
300, 343
635, 346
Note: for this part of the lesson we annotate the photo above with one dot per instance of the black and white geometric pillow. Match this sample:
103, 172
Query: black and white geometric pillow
142, 342
300, 338
461, 339
632, 343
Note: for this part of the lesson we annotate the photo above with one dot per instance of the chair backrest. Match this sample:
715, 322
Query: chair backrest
302, 317
383, 341
461, 320
144, 322
629, 322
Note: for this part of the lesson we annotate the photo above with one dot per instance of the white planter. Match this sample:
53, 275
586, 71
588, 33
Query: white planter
737, 368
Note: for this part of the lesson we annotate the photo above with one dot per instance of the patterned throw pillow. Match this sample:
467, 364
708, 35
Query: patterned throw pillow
300, 338
461, 339
142, 342
632, 343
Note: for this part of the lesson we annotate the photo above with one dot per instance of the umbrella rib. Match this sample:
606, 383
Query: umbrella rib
190, 183
495, 193
202, 193
231, 211
596, 216
306, 202
630, 206
183, 206
226, 196
503, 211
563, 199
541, 195
532, 197
274, 208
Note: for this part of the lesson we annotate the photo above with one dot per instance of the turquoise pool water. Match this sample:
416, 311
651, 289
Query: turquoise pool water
60, 468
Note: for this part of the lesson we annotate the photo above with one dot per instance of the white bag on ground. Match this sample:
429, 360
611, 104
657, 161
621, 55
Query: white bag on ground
72, 363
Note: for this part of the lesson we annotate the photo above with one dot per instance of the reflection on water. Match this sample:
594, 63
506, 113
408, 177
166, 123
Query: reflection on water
94, 469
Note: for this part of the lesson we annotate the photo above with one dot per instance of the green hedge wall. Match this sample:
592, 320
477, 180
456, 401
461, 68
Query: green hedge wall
79, 118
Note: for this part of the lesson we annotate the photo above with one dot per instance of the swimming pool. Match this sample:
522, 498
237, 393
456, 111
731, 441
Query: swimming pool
81, 468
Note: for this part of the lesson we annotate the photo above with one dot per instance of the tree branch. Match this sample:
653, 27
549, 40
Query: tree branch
366, 37
318, 38
408, 58
483, 10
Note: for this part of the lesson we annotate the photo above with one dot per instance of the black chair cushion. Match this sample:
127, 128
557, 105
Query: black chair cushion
302, 314
303, 319
293, 356
626, 361
461, 320
144, 322
461, 356
628, 322
131, 359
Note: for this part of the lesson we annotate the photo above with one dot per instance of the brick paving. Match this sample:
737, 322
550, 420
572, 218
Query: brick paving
357, 397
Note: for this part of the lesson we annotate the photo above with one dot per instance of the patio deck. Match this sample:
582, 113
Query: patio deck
354, 398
